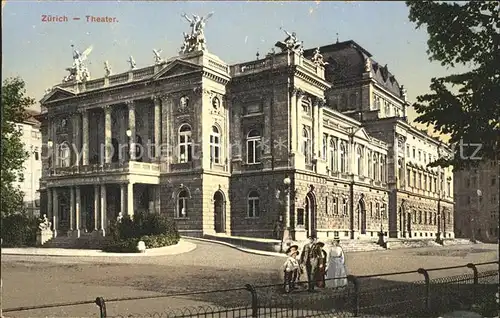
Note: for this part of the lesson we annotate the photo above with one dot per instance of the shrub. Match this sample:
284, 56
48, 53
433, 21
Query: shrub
19, 230
156, 230
122, 246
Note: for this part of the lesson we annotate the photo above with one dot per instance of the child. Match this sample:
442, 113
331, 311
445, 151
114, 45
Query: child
291, 268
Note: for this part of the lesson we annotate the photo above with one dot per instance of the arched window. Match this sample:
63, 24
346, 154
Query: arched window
359, 160
345, 210
215, 145
425, 217
343, 158
377, 210
306, 145
185, 144
253, 204
253, 141
400, 173
64, 155
370, 167
382, 168
375, 167
333, 155
419, 217
182, 204
324, 150
335, 206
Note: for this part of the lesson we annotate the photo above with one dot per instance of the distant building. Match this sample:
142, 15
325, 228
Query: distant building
324, 148
32, 140
476, 214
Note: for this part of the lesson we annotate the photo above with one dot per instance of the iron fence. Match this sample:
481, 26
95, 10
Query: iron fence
370, 295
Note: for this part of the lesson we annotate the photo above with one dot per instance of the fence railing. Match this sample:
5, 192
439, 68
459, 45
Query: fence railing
368, 295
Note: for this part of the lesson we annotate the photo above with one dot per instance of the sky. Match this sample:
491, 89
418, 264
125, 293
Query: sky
39, 52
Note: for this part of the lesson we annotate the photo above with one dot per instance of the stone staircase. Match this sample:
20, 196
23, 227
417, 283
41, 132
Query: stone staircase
261, 244
393, 244
360, 246
85, 241
458, 241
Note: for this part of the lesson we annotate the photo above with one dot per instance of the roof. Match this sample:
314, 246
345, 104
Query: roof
31, 117
347, 62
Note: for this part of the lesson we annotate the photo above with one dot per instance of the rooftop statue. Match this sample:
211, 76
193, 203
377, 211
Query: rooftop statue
318, 58
291, 43
107, 69
131, 61
158, 59
195, 41
78, 71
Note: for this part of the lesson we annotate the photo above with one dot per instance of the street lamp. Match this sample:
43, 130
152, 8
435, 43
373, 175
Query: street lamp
473, 236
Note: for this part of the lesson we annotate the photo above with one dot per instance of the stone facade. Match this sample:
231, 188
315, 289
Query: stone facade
476, 216
241, 149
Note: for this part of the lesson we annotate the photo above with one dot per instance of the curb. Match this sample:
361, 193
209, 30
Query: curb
168, 250
241, 249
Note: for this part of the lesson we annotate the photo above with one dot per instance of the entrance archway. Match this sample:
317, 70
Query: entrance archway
219, 212
310, 223
362, 216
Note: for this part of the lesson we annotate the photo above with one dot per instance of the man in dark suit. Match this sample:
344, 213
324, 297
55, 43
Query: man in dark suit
312, 258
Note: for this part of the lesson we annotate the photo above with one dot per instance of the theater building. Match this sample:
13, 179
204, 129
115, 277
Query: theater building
319, 148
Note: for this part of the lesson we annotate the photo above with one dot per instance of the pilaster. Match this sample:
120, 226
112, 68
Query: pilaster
123, 193
157, 127
71, 210
55, 211
130, 200
166, 132
103, 222
131, 127
96, 208
77, 129
78, 216
85, 137
107, 134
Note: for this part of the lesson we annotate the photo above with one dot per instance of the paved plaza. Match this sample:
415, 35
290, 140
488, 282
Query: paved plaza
37, 280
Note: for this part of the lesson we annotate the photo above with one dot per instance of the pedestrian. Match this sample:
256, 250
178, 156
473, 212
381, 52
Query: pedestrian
320, 276
291, 268
312, 257
336, 273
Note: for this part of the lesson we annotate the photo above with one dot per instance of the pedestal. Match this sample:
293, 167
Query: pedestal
42, 236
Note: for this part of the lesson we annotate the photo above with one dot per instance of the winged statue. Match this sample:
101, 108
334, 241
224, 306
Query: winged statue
158, 58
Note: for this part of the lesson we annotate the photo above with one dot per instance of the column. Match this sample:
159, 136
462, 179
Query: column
131, 127
157, 199
55, 211
78, 205
85, 137
157, 127
103, 210
315, 131
320, 125
49, 204
76, 139
71, 210
96, 207
130, 200
293, 120
52, 137
236, 148
107, 134
123, 193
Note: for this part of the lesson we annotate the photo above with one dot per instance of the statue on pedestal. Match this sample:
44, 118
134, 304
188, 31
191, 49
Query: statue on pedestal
291, 43
196, 40
368, 64
404, 93
44, 223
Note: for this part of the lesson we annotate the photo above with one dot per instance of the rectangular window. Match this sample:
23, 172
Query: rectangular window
326, 205
414, 179
419, 155
493, 181
414, 153
253, 207
300, 217
407, 151
37, 156
408, 177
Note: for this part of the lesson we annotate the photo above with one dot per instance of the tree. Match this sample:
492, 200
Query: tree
465, 106
13, 154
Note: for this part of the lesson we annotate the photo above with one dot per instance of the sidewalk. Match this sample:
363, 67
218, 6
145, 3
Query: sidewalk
242, 249
181, 247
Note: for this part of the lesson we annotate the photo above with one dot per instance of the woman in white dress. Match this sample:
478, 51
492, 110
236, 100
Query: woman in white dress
336, 266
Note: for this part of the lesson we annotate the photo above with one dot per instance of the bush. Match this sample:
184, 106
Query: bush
123, 246
156, 230
19, 230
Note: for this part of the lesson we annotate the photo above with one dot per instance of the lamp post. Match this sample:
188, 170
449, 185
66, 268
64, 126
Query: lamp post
129, 136
286, 231
473, 221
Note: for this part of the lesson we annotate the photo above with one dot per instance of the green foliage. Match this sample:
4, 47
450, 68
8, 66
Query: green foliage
156, 230
19, 230
13, 154
465, 106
